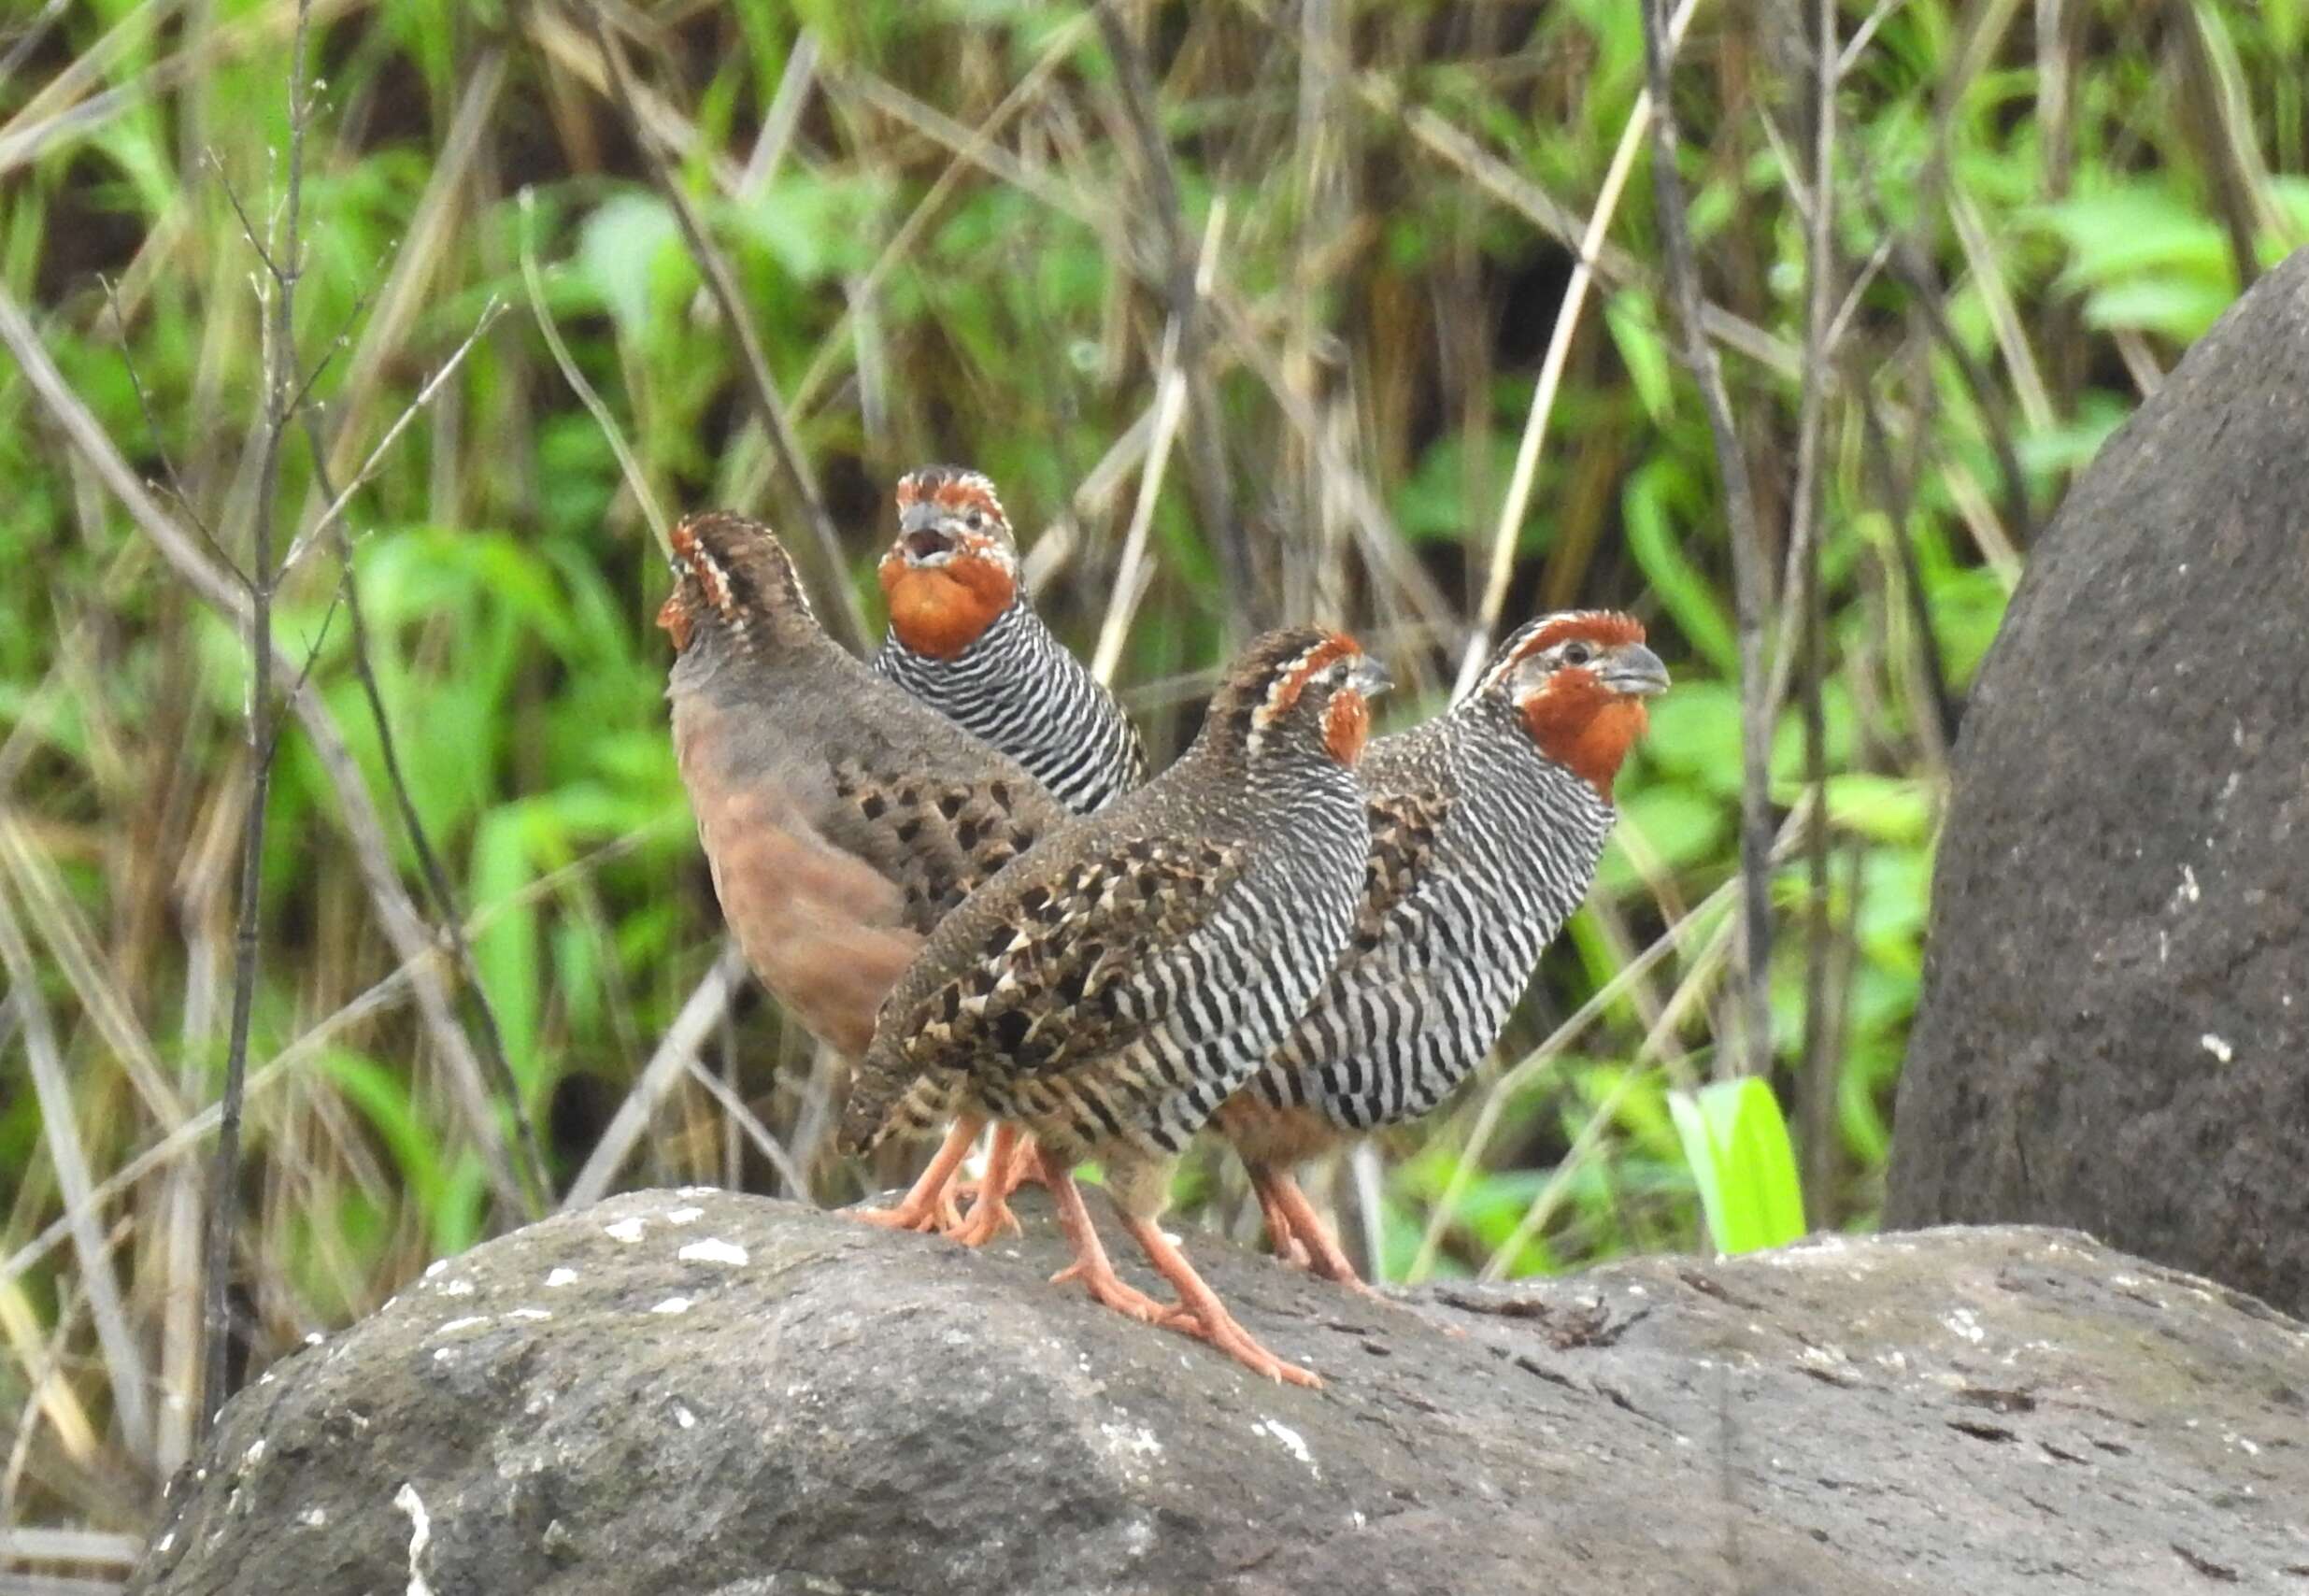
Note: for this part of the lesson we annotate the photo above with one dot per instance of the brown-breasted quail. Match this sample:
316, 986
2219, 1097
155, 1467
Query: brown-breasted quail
1487, 822
1108, 991
964, 639
841, 819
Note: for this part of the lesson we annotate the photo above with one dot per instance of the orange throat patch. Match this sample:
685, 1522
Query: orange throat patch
1347, 726
1585, 727
940, 611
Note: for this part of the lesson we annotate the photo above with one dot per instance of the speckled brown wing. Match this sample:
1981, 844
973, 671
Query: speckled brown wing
1045, 973
1068, 947
1403, 826
935, 841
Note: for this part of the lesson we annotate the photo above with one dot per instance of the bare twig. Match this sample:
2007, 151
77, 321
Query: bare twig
722, 284
1749, 572
284, 262
333, 515
412, 939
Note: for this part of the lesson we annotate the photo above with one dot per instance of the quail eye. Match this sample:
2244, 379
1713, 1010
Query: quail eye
974, 520
1578, 653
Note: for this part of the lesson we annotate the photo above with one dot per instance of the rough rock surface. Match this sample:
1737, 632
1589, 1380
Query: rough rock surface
698, 1393
2114, 1032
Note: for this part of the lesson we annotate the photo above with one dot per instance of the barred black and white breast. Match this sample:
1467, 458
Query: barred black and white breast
965, 640
1487, 824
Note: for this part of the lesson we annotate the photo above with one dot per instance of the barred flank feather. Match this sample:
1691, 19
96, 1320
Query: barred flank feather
1465, 889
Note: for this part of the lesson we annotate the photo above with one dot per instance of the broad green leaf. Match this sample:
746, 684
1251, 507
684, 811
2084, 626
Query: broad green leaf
1736, 1143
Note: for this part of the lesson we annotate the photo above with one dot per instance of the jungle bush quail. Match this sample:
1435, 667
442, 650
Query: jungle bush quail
1109, 991
964, 639
841, 819
1487, 822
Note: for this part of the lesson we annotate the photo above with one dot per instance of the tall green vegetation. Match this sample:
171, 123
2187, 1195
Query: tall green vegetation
1248, 307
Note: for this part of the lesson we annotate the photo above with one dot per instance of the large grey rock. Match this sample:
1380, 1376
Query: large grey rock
695, 1392
2114, 1032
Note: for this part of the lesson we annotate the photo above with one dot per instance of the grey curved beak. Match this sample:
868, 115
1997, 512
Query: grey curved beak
1370, 678
1635, 671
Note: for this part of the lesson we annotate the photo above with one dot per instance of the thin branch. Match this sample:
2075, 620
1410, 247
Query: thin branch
722, 284
412, 940
279, 377
160, 446
1749, 573
332, 517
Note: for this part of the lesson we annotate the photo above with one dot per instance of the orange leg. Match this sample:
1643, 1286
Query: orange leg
990, 1209
1281, 1237
1207, 1317
1091, 1265
929, 1204
1298, 1233
1012, 1156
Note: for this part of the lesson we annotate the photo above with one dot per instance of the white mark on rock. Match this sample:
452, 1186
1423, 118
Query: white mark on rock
1138, 1537
684, 1417
442, 1354
528, 1313
684, 1216
2217, 1045
312, 1338
696, 1192
2189, 890
435, 1267
465, 1323
673, 1305
1966, 1325
313, 1517
624, 1229
420, 1535
254, 1455
166, 1542
1356, 1518
1135, 1439
458, 1289
1292, 1440
561, 1277
713, 1249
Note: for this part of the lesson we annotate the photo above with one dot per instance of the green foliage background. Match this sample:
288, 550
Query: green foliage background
2030, 220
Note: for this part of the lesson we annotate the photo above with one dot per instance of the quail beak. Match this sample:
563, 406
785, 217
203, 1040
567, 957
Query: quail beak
1635, 672
1369, 677
921, 536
